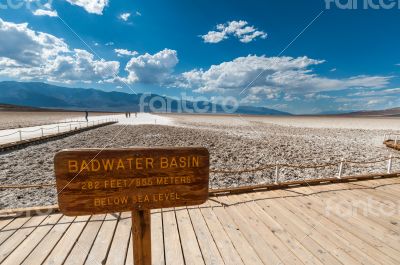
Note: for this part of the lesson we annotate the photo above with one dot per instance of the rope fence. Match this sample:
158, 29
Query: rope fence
41, 122
276, 166
72, 127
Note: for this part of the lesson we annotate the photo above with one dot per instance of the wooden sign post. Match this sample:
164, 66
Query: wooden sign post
96, 181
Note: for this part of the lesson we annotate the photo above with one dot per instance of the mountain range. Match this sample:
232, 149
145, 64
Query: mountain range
42, 95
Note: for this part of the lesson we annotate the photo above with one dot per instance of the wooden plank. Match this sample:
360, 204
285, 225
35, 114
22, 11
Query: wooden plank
355, 228
206, 241
28, 211
386, 217
29, 243
364, 222
243, 247
355, 247
85, 241
298, 229
364, 242
5, 222
66, 243
13, 241
315, 234
40, 253
286, 238
157, 239
263, 249
172, 243
224, 244
190, 246
370, 188
390, 187
262, 239
93, 181
11, 228
103, 239
120, 242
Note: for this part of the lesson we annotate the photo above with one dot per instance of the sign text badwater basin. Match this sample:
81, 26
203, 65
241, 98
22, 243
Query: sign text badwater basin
92, 181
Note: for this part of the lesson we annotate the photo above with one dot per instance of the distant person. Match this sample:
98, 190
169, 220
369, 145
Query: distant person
87, 116
135, 114
126, 114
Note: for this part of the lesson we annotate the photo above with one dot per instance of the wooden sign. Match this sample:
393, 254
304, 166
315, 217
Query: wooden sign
94, 181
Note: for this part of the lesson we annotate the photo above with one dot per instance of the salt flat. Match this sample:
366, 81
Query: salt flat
234, 143
339, 122
144, 118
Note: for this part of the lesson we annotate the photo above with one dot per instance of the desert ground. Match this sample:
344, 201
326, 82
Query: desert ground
234, 142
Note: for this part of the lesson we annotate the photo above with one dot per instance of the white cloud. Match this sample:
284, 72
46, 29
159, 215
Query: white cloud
43, 12
109, 43
138, 14
250, 99
271, 74
149, 68
367, 103
376, 101
28, 54
91, 6
317, 96
214, 37
124, 52
239, 29
124, 16
383, 92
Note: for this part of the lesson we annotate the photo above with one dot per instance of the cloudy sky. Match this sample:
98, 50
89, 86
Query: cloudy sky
299, 57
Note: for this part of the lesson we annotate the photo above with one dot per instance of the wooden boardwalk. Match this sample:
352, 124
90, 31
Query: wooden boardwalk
345, 223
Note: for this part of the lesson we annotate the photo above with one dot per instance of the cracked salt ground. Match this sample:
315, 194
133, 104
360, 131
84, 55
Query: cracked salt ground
34, 164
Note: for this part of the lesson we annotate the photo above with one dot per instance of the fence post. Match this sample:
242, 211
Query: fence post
42, 131
70, 127
389, 167
341, 168
58, 128
395, 141
20, 135
276, 173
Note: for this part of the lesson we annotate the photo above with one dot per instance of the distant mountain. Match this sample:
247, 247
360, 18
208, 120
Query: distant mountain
394, 112
334, 112
41, 95
8, 107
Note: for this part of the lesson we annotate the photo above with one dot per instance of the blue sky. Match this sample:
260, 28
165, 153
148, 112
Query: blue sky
335, 59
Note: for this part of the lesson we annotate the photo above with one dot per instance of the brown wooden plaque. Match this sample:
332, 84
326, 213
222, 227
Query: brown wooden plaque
93, 181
